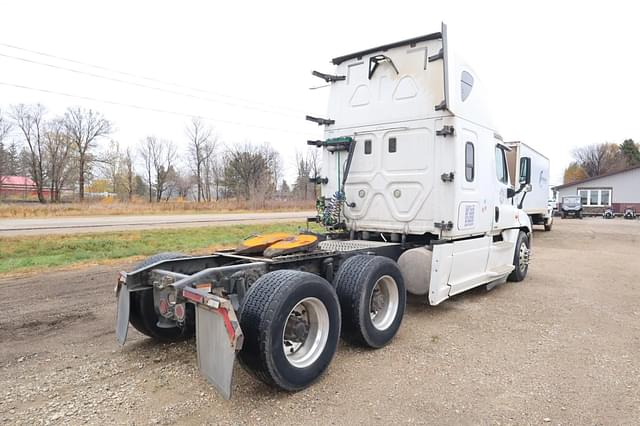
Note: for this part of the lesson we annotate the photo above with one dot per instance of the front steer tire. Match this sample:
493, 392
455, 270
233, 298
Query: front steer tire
143, 316
355, 282
520, 259
269, 305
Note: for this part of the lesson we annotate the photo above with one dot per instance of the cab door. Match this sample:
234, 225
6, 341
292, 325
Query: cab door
502, 210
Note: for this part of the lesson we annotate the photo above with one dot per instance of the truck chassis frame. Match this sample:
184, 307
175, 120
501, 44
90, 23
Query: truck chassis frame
218, 284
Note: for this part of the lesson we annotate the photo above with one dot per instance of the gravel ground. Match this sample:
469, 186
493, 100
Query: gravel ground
559, 348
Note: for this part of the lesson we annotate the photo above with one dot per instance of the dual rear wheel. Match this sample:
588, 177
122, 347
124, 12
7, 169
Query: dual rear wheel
292, 320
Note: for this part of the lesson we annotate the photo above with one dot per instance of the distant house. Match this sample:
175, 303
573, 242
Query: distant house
20, 187
616, 190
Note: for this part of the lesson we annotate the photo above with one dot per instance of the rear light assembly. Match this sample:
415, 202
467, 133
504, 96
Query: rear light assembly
179, 311
163, 307
192, 295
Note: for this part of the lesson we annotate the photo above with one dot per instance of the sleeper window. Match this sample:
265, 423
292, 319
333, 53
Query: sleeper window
469, 162
392, 144
367, 146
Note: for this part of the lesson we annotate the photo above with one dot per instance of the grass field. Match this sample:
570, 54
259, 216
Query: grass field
26, 254
110, 206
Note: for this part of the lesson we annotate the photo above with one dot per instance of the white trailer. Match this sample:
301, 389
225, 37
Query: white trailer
535, 202
416, 197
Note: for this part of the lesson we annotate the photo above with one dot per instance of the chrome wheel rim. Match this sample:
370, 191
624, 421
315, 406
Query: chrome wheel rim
524, 257
383, 303
306, 332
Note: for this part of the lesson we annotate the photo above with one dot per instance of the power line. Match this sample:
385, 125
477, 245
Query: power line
157, 110
195, 89
174, 92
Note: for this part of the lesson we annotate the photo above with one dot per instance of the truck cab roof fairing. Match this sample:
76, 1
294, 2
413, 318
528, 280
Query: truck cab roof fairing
385, 47
461, 92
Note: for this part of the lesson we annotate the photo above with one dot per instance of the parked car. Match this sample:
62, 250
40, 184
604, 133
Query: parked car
571, 206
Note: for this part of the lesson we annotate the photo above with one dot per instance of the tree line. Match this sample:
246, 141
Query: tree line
73, 152
599, 159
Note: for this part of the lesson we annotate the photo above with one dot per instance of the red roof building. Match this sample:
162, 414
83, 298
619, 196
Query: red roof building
20, 186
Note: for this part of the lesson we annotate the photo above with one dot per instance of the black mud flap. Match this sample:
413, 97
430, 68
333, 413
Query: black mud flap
122, 315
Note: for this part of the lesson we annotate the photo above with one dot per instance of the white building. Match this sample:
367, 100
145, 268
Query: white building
616, 190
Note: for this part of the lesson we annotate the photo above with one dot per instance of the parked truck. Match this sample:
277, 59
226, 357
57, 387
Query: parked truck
535, 202
416, 198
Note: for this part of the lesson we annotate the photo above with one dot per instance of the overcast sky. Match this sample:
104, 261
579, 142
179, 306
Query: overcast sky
560, 74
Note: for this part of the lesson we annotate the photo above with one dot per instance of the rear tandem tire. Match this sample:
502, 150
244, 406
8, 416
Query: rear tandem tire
519, 259
301, 304
143, 316
547, 225
372, 297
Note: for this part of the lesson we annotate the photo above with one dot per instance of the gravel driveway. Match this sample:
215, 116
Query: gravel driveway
559, 348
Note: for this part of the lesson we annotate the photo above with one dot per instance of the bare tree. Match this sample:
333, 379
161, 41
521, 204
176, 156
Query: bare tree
58, 148
5, 126
308, 166
182, 183
29, 119
110, 161
159, 158
274, 165
211, 166
148, 151
315, 165
217, 164
163, 163
251, 171
599, 159
302, 185
200, 149
85, 127
128, 165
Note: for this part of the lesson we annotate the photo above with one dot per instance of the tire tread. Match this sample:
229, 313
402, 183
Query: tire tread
257, 313
351, 281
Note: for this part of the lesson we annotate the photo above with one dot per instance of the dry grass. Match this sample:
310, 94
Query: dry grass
20, 255
109, 207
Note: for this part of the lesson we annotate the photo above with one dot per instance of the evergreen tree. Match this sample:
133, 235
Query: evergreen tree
630, 152
284, 189
12, 156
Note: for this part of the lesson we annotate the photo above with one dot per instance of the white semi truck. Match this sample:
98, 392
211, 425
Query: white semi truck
416, 197
535, 201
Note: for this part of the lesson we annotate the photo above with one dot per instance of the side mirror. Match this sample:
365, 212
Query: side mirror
511, 192
525, 171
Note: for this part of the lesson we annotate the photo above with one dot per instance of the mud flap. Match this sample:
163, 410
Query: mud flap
216, 348
122, 315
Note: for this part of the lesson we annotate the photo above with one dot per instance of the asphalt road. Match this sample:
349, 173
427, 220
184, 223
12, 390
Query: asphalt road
560, 348
72, 225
